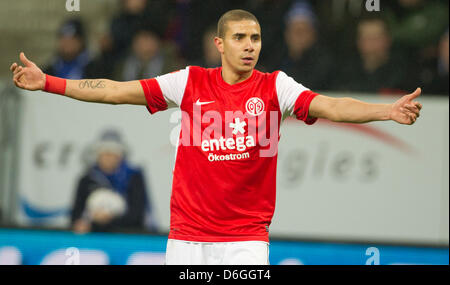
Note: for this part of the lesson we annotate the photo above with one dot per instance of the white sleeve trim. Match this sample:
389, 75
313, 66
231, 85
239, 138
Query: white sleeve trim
173, 85
288, 91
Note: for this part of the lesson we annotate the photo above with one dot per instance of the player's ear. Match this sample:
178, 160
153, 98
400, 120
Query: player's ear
219, 44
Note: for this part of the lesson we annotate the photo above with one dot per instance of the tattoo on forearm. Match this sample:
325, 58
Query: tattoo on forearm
93, 84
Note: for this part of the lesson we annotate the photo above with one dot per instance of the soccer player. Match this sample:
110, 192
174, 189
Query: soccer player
224, 178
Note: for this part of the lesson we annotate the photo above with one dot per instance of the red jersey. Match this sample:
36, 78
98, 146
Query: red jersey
224, 178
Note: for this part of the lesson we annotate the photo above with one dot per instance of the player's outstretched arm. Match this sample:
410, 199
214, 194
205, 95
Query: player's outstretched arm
404, 111
30, 77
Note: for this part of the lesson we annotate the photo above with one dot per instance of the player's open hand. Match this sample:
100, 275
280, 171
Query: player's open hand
29, 76
405, 110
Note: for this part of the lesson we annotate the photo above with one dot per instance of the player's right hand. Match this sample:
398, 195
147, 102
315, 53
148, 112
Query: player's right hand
29, 76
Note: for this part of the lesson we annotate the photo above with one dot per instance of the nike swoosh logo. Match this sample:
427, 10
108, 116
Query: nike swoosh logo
198, 103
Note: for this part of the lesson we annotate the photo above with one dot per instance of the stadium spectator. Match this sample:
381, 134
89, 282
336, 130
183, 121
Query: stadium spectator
304, 58
148, 57
338, 21
132, 16
375, 69
210, 56
111, 195
270, 14
72, 55
102, 65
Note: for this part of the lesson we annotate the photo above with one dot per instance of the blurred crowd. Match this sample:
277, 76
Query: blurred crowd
327, 45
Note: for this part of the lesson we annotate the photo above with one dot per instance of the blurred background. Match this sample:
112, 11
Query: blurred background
92, 182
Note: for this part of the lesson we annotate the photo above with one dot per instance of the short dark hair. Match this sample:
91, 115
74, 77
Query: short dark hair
233, 15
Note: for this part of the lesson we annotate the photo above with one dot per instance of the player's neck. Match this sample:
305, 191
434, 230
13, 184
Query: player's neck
232, 77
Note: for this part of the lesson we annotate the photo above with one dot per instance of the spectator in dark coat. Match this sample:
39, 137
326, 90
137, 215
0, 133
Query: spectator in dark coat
304, 58
103, 64
135, 14
375, 69
111, 195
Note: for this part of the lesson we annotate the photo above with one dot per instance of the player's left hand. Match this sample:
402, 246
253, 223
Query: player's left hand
405, 110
